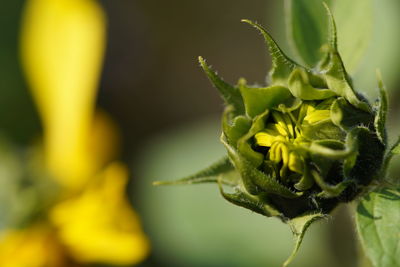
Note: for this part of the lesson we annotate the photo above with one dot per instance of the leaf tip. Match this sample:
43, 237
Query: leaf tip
332, 25
254, 24
378, 74
203, 63
201, 60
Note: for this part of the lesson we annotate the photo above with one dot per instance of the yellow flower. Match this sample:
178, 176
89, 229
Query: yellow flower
99, 225
62, 50
92, 221
33, 247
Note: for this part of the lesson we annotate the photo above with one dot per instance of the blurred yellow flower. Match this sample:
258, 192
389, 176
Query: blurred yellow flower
99, 225
32, 247
62, 47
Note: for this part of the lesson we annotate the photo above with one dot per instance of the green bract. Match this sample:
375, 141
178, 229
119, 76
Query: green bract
299, 146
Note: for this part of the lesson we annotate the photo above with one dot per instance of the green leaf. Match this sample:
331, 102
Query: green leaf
299, 86
377, 218
354, 24
282, 65
382, 51
299, 226
219, 170
306, 27
380, 118
257, 100
230, 94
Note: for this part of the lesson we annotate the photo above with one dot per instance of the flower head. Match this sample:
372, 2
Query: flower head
302, 144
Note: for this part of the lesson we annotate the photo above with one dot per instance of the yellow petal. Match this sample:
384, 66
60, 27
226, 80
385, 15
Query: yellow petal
317, 116
36, 246
282, 129
62, 50
104, 140
282, 122
285, 154
271, 134
99, 225
275, 153
295, 163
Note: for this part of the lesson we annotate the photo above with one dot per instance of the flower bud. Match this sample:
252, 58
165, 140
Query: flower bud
301, 145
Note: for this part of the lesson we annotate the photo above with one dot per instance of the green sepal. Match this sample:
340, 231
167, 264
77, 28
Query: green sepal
333, 70
230, 94
322, 166
282, 65
322, 130
257, 100
235, 130
347, 116
300, 86
306, 181
324, 148
338, 81
349, 153
354, 139
358, 165
380, 118
332, 27
243, 145
291, 104
364, 165
394, 150
219, 170
299, 226
396, 147
328, 190
254, 179
250, 202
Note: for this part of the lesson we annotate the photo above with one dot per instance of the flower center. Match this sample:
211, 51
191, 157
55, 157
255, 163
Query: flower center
283, 135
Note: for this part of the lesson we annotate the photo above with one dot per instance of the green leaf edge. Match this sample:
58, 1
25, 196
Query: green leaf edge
357, 222
282, 65
299, 227
207, 175
380, 118
230, 94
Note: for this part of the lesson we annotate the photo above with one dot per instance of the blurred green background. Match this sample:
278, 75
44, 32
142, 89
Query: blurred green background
168, 114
